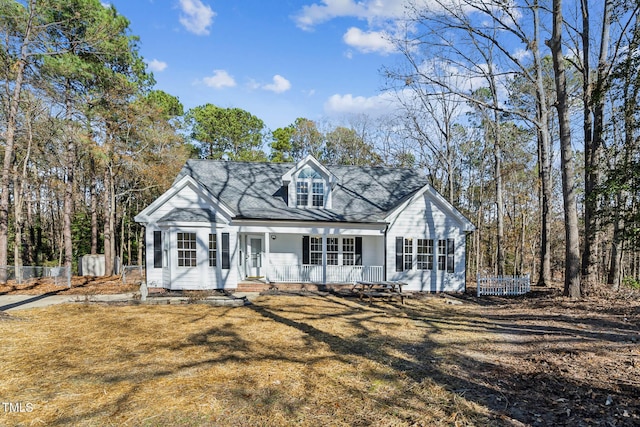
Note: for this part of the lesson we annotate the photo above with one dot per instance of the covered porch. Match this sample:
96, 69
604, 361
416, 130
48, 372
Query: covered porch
315, 255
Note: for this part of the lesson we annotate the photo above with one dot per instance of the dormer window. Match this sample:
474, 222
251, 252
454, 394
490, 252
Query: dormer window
309, 184
309, 179
318, 194
302, 193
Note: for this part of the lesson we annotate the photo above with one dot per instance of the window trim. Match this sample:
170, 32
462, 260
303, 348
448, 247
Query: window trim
333, 250
157, 249
349, 251
187, 256
213, 250
315, 250
424, 258
308, 184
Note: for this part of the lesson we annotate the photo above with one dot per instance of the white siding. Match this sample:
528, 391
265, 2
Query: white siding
202, 276
424, 219
286, 249
154, 275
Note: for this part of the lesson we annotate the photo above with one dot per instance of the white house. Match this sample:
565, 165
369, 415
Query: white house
222, 223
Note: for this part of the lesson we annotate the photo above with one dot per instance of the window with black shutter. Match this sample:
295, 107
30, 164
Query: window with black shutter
157, 249
399, 254
226, 263
358, 250
305, 250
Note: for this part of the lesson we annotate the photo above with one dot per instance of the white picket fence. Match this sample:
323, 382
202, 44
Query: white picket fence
503, 285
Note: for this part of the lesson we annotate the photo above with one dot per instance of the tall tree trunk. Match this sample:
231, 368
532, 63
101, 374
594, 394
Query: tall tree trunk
9, 137
18, 199
544, 157
615, 262
70, 164
572, 236
18, 225
94, 209
108, 226
497, 156
593, 135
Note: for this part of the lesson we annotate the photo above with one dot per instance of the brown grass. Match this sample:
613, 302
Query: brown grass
285, 360
318, 361
80, 285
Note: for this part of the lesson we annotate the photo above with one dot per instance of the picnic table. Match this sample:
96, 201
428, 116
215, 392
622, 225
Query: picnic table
385, 289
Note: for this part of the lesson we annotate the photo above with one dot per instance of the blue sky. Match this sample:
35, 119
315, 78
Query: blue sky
279, 59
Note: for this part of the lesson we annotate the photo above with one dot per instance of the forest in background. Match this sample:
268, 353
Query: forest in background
527, 124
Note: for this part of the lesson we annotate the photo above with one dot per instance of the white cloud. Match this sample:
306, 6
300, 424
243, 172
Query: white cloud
340, 105
279, 85
196, 16
369, 41
326, 10
156, 65
521, 54
219, 80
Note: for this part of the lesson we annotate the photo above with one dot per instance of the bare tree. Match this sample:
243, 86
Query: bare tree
572, 236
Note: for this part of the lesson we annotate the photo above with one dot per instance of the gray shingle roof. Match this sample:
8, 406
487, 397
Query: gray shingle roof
254, 190
189, 215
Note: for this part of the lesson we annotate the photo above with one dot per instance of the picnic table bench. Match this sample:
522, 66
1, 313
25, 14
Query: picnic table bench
384, 289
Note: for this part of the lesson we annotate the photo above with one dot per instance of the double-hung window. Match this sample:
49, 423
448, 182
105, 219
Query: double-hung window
213, 249
442, 254
408, 254
348, 251
446, 251
186, 244
425, 254
332, 251
317, 194
315, 250
302, 193
310, 182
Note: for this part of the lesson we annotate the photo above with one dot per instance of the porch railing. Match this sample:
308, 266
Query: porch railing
503, 285
334, 273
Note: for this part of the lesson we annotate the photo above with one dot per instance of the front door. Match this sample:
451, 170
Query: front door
254, 250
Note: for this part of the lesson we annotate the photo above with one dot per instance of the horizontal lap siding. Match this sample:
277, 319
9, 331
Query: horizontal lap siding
154, 275
424, 219
202, 276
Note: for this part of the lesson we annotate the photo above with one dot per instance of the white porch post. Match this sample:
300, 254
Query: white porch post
266, 262
324, 259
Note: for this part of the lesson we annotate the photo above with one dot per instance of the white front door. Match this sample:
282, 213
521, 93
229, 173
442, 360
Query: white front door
255, 246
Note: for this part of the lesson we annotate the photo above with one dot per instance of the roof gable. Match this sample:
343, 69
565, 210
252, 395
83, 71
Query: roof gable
440, 201
314, 164
178, 185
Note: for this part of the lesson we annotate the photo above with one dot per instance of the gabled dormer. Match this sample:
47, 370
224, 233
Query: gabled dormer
309, 184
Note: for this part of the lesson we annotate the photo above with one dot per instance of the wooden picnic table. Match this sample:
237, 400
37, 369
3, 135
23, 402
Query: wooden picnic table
385, 289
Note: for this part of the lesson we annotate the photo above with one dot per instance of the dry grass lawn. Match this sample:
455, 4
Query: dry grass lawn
285, 360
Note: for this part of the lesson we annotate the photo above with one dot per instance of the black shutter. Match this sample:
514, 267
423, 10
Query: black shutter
358, 250
157, 249
399, 254
305, 250
225, 251
450, 252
